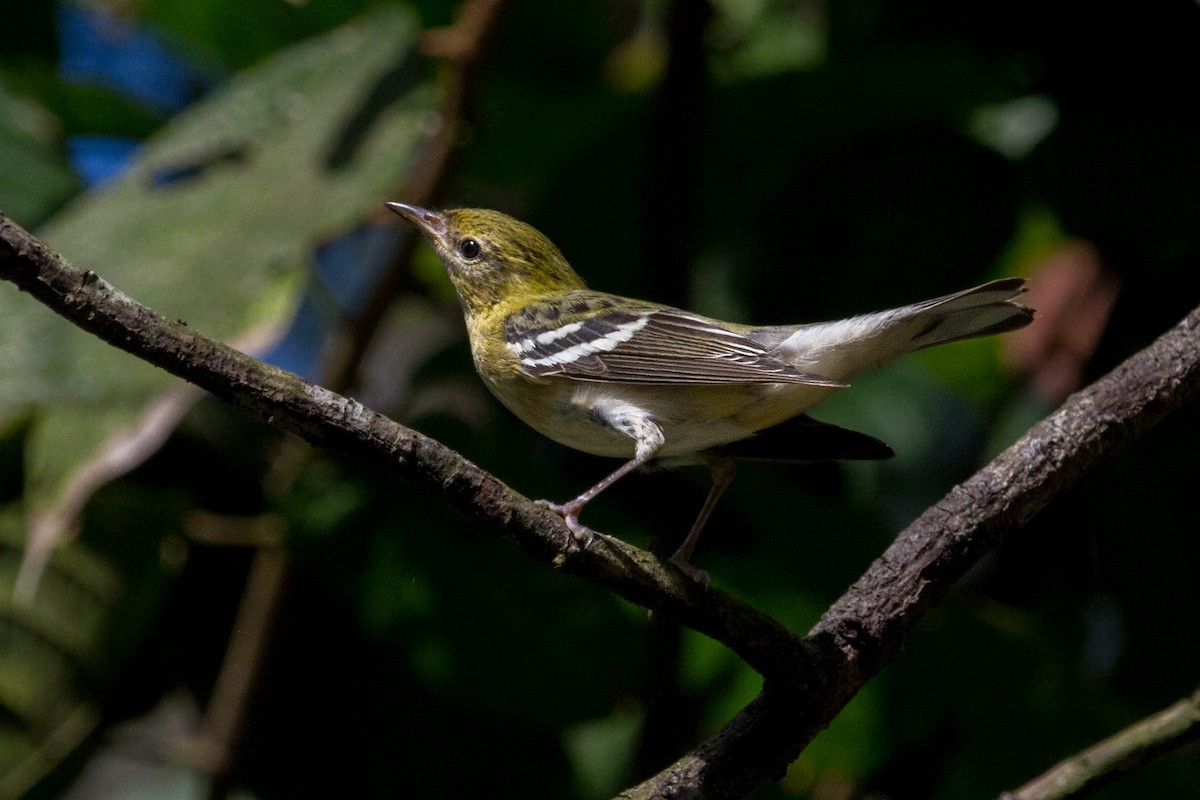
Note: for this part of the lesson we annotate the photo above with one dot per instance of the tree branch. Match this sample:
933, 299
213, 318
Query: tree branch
865, 628
241, 669
324, 418
1103, 762
807, 681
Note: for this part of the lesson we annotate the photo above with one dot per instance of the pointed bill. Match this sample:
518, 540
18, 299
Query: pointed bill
431, 223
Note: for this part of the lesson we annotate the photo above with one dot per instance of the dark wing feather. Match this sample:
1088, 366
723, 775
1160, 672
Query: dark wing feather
599, 338
804, 439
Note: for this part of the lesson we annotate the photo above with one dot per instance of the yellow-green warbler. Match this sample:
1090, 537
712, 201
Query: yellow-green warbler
642, 381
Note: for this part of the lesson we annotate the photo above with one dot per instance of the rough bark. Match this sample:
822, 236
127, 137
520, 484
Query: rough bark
807, 681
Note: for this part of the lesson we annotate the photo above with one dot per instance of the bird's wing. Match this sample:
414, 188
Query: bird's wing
595, 337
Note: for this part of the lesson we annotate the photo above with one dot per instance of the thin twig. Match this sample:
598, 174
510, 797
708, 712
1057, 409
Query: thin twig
214, 750
1105, 761
463, 44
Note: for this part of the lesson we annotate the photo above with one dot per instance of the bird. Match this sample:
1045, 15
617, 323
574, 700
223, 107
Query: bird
646, 382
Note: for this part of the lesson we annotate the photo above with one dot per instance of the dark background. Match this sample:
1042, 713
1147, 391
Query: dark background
769, 162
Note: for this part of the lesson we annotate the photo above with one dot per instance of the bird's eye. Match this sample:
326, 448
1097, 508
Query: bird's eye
469, 248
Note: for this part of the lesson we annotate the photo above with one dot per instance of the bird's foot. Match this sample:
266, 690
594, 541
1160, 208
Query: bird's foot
570, 513
679, 559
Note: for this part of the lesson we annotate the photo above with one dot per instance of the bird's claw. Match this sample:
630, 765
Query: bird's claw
579, 532
695, 573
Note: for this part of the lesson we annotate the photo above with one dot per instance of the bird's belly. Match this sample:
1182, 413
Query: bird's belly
692, 418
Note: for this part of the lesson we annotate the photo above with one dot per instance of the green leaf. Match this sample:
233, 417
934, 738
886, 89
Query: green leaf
215, 225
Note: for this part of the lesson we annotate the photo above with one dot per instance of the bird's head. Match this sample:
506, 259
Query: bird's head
492, 258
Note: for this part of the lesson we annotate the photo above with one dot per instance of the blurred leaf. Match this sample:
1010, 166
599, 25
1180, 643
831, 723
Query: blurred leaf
240, 34
214, 224
1038, 234
1014, 128
752, 38
710, 671
122, 763
84, 108
51, 658
600, 751
35, 179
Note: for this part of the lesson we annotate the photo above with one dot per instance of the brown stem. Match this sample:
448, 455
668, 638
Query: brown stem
1105, 761
463, 44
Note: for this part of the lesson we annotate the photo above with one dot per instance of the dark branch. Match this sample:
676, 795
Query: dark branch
241, 669
345, 426
865, 628
809, 680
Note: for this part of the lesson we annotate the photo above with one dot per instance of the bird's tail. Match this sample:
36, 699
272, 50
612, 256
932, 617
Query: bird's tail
839, 350
982, 311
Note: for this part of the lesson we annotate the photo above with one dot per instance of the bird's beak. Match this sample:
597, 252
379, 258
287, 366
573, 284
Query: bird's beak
431, 223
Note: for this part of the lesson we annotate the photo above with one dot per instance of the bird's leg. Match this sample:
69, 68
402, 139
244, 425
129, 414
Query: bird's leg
722, 469
570, 510
631, 421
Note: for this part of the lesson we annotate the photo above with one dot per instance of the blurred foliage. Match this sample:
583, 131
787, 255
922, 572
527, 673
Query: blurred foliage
232, 268
770, 160
36, 180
